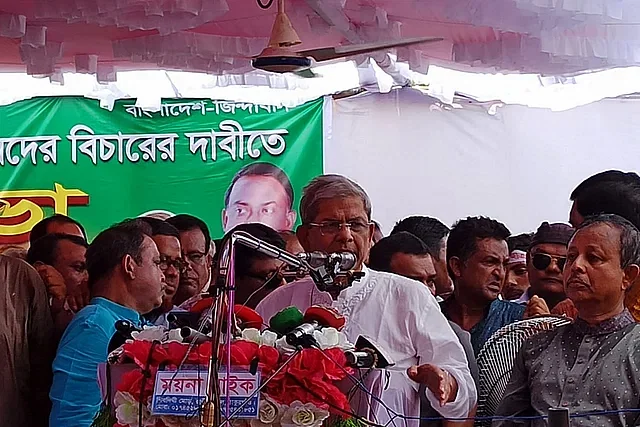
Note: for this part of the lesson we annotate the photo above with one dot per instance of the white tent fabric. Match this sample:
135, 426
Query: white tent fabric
519, 165
149, 87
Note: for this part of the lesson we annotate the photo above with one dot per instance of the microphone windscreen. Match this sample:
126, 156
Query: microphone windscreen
247, 317
201, 305
124, 327
325, 316
286, 320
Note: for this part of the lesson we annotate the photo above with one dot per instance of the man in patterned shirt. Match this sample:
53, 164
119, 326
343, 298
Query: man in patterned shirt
591, 365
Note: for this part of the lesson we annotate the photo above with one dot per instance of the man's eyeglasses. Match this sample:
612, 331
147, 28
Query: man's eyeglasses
331, 228
178, 263
543, 261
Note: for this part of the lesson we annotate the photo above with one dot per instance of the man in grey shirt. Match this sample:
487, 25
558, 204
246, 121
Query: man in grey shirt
591, 365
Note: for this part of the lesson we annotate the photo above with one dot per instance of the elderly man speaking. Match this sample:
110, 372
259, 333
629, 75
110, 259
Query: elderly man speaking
590, 366
400, 314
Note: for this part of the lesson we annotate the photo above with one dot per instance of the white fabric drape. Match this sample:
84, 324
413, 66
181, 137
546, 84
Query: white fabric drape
519, 165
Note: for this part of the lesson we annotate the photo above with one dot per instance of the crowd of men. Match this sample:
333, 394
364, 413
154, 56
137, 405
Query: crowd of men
430, 295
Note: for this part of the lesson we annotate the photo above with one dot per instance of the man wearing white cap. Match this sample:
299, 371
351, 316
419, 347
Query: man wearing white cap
517, 279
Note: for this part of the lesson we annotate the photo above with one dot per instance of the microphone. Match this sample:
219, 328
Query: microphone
179, 319
325, 316
267, 249
190, 335
124, 328
315, 318
338, 261
323, 268
368, 355
285, 320
343, 260
365, 358
247, 317
303, 335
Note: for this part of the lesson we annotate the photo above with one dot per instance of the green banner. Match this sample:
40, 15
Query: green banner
68, 155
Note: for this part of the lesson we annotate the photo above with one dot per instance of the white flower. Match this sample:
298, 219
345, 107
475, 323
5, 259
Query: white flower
331, 338
265, 338
283, 346
269, 338
252, 334
127, 409
173, 421
269, 413
149, 333
173, 335
303, 415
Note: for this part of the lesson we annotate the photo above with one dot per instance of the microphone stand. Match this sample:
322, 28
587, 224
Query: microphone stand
223, 293
224, 296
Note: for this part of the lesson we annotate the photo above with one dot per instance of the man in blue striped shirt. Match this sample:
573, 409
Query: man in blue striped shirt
126, 281
477, 257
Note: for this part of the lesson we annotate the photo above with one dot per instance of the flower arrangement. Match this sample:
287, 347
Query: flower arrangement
303, 394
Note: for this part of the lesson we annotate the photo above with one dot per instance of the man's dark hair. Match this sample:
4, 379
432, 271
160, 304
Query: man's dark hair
184, 222
466, 233
40, 229
399, 243
609, 192
430, 230
160, 227
262, 169
246, 256
629, 236
111, 245
600, 178
521, 242
44, 249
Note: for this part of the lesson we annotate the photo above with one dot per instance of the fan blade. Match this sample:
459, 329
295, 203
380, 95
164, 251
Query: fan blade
327, 53
306, 74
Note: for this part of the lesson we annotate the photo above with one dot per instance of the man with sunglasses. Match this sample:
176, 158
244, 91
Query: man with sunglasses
399, 314
545, 261
167, 239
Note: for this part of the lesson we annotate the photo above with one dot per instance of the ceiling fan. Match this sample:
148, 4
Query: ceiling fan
280, 56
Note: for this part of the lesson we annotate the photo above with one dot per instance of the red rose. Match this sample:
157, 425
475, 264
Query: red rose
307, 364
326, 392
174, 353
242, 353
138, 351
131, 382
335, 365
268, 357
288, 390
200, 354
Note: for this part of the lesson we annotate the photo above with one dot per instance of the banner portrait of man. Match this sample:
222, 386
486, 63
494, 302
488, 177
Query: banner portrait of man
259, 192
